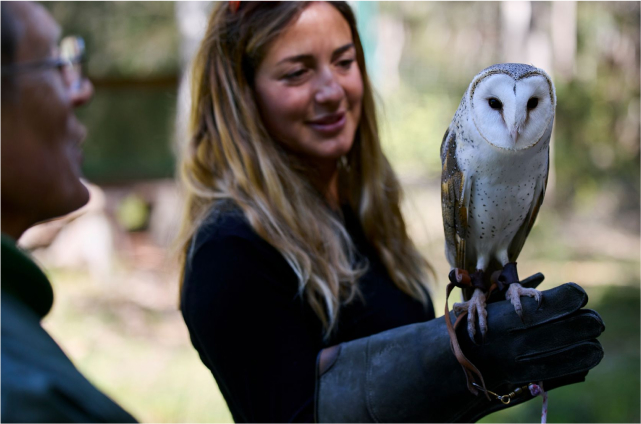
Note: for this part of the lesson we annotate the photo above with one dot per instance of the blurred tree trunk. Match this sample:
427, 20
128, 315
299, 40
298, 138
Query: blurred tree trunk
191, 17
389, 48
525, 31
516, 17
564, 37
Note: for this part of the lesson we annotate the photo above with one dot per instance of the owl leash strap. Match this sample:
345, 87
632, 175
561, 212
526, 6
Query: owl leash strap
470, 370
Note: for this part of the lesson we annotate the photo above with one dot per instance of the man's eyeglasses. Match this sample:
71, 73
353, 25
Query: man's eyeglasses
72, 54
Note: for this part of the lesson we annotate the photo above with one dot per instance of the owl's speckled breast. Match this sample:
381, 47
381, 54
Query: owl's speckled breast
502, 189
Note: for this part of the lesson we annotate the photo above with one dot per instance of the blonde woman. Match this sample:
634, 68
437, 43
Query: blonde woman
298, 269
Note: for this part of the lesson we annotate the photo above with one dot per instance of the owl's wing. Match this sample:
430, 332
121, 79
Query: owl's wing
454, 200
539, 193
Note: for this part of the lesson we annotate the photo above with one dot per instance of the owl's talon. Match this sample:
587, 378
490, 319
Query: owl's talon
475, 307
483, 321
514, 293
471, 327
459, 308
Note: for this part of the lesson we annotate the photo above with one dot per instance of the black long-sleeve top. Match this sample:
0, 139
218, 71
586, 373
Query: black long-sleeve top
253, 330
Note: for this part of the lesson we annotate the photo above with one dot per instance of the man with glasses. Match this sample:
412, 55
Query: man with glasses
42, 84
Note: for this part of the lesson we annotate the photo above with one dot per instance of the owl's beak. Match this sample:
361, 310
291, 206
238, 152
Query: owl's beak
514, 133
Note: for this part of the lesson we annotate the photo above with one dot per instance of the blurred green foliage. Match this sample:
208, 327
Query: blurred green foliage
132, 60
136, 39
446, 43
412, 127
597, 127
132, 213
596, 139
130, 134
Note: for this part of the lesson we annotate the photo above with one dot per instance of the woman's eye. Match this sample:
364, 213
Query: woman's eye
345, 63
295, 74
495, 103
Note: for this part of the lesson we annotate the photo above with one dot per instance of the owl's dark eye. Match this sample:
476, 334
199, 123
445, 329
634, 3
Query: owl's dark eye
495, 103
532, 103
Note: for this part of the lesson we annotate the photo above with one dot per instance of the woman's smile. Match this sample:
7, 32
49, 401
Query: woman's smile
329, 124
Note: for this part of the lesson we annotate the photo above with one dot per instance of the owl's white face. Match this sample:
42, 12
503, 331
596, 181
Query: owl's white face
512, 114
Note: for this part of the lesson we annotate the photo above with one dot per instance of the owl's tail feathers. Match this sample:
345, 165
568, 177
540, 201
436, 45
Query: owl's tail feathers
472, 374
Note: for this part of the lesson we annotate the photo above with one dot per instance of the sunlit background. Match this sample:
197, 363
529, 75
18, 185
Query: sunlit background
112, 264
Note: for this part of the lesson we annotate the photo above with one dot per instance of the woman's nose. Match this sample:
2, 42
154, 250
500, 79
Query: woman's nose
329, 89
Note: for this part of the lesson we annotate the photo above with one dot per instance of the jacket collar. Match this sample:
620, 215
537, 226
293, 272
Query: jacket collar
22, 278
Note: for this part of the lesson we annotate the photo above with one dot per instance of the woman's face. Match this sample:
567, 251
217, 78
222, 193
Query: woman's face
309, 87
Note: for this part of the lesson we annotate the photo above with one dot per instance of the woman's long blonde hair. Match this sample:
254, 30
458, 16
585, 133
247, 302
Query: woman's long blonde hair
231, 156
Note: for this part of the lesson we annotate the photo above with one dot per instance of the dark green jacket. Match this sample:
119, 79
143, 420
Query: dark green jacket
39, 382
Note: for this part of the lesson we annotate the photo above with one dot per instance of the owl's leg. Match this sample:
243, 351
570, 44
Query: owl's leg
508, 274
510, 277
475, 307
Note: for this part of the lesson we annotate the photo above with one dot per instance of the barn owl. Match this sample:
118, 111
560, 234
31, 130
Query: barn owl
495, 157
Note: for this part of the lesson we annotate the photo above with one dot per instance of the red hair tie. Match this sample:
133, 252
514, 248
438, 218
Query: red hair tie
233, 6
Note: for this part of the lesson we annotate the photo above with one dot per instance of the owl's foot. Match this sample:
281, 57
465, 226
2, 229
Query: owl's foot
514, 293
508, 276
474, 307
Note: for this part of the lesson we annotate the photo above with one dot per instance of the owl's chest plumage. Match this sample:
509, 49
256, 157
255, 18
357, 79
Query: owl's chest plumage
502, 189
